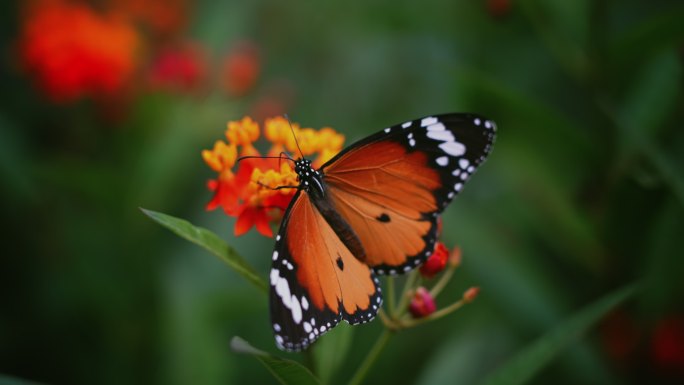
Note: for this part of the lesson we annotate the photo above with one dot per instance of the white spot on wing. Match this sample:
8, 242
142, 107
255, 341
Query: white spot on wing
276, 327
453, 148
442, 161
488, 124
274, 276
406, 125
458, 186
428, 121
444, 136
296, 310
412, 142
387, 129
282, 289
477, 121
277, 237
436, 127
307, 327
463, 163
305, 303
275, 255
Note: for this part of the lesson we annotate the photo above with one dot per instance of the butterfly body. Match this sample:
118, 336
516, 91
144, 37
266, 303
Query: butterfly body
370, 210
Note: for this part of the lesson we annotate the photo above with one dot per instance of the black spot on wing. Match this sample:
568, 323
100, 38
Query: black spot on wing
383, 218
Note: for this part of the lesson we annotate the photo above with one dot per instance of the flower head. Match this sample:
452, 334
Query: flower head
72, 51
422, 304
437, 261
259, 191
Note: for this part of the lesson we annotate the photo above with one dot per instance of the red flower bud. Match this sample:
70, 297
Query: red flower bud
437, 261
471, 294
455, 257
422, 304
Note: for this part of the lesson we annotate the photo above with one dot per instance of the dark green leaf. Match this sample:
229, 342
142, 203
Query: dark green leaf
653, 98
528, 362
7, 380
285, 371
211, 242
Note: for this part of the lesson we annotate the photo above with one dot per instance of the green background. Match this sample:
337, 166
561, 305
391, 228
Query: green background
583, 193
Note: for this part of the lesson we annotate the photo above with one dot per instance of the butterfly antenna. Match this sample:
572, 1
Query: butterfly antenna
294, 135
265, 157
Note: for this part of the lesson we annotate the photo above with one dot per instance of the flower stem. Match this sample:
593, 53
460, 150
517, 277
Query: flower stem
370, 359
443, 280
407, 323
391, 300
406, 293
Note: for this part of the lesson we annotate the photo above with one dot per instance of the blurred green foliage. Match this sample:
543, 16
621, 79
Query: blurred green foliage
583, 193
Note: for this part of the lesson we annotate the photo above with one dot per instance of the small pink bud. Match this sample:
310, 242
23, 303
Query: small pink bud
422, 304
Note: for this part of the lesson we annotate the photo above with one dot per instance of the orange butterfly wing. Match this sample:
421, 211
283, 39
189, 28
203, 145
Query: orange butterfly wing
391, 186
315, 279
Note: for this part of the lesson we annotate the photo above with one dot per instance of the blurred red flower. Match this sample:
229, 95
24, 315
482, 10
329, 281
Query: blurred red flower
73, 51
240, 69
178, 68
498, 8
667, 344
162, 19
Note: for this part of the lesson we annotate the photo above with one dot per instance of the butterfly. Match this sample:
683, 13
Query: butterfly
370, 210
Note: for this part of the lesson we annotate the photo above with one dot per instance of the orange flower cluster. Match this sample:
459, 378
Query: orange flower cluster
250, 193
74, 51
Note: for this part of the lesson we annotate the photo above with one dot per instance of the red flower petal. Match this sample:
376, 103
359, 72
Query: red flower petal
263, 225
245, 220
437, 261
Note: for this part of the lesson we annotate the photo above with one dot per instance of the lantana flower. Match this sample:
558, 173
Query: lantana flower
248, 190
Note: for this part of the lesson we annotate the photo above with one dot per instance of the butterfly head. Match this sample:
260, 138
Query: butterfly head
309, 178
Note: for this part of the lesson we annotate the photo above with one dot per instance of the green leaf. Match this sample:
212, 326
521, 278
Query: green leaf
528, 362
652, 99
331, 351
211, 242
7, 380
285, 371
